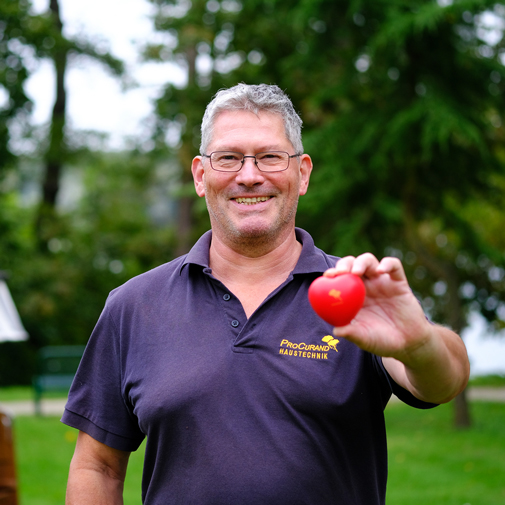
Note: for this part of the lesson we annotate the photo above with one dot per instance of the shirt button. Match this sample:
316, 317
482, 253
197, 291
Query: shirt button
226, 297
235, 323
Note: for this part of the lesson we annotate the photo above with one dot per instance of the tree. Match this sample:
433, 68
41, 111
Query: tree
59, 48
15, 53
414, 136
25, 39
402, 103
120, 226
198, 36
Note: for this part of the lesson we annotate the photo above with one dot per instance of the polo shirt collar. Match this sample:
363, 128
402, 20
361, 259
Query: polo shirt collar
312, 259
199, 253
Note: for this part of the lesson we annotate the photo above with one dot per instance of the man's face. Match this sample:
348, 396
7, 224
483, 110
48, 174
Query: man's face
271, 212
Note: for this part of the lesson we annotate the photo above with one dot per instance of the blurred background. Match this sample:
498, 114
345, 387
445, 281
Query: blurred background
100, 105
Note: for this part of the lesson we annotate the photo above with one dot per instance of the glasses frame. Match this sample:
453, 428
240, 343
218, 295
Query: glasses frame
248, 156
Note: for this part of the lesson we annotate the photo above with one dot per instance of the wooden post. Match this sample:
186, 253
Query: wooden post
8, 484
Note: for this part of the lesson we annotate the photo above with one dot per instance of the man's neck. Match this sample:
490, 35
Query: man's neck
227, 262
252, 279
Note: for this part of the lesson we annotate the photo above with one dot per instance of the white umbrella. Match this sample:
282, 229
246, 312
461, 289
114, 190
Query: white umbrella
11, 327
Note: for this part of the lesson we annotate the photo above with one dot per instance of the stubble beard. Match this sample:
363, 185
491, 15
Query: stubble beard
254, 239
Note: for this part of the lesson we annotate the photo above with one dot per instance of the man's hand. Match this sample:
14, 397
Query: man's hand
428, 360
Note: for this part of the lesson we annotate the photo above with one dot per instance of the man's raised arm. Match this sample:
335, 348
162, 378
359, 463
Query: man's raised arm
428, 360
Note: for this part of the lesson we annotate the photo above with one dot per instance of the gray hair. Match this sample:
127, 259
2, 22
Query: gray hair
253, 98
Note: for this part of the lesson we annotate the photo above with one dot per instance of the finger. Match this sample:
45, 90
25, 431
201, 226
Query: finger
393, 267
331, 272
342, 331
365, 265
352, 332
343, 266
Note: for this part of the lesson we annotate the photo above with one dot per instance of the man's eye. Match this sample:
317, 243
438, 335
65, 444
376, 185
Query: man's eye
228, 157
269, 156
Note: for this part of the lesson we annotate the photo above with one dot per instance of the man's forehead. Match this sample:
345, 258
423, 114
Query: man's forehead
229, 115
243, 126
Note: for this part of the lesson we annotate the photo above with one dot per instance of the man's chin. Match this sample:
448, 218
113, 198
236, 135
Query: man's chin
255, 235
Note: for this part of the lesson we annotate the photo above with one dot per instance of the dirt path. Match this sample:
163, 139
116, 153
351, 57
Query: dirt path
54, 407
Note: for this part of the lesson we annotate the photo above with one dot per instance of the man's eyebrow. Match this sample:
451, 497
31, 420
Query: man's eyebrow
262, 149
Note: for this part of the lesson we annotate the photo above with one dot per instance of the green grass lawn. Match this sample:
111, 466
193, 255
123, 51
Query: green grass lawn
44, 447
429, 461
432, 463
488, 381
18, 393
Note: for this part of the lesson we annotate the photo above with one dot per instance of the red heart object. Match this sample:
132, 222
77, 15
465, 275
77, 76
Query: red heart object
338, 299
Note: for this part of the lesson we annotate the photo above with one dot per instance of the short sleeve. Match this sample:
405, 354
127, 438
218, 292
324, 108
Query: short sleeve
96, 402
404, 395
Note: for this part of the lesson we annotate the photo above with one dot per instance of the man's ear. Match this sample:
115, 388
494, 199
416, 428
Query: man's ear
198, 175
305, 171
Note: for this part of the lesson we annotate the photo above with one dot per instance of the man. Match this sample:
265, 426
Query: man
219, 360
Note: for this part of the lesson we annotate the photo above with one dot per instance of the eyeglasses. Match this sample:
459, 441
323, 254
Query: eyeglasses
229, 161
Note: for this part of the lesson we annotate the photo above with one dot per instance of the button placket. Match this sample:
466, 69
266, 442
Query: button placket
234, 323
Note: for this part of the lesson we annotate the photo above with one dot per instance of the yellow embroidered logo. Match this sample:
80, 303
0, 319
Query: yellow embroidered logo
310, 351
331, 341
337, 296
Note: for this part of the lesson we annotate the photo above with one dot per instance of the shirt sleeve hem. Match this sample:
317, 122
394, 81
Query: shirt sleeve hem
105, 437
400, 392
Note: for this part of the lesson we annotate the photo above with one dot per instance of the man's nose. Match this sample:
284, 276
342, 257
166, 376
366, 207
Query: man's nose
249, 173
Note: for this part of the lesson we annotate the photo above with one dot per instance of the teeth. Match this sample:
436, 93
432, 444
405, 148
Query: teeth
252, 201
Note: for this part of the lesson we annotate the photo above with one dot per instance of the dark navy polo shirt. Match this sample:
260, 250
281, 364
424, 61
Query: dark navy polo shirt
258, 411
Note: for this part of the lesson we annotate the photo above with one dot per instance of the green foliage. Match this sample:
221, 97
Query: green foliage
120, 227
403, 116
17, 363
403, 109
24, 39
14, 53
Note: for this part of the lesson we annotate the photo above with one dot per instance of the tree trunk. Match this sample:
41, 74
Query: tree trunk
455, 316
186, 201
462, 417
56, 149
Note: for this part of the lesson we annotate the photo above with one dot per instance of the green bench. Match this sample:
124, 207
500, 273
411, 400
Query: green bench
56, 367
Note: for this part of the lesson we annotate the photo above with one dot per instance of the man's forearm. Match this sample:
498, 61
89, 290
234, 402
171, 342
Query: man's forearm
89, 487
435, 372
97, 473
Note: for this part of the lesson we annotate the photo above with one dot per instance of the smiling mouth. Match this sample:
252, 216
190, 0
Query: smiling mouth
253, 200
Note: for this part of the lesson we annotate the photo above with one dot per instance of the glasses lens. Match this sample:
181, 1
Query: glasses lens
226, 160
272, 161
229, 161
